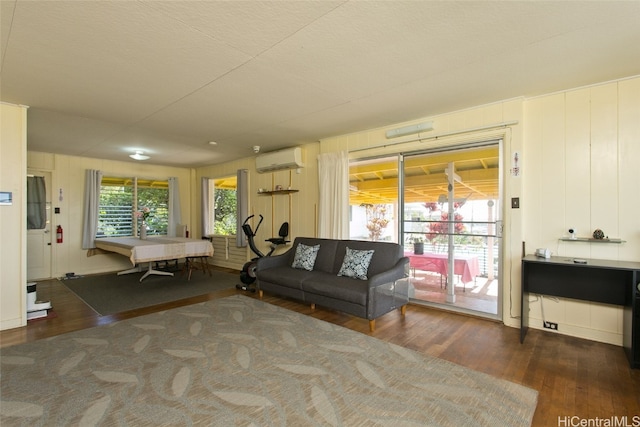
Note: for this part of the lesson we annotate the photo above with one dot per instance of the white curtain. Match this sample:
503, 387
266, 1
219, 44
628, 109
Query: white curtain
242, 205
206, 202
93, 180
333, 206
175, 216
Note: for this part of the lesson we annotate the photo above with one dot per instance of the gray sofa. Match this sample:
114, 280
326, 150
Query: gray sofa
385, 288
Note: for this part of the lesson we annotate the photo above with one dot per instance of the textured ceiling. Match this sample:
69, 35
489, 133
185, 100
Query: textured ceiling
105, 78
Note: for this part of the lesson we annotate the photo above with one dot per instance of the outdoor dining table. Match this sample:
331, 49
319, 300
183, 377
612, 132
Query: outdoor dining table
465, 266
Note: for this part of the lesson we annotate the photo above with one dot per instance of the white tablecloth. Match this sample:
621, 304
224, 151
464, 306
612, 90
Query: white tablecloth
156, 248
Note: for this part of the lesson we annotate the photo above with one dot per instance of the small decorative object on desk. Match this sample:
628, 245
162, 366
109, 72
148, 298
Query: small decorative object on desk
143, 214
278, 187
598, 234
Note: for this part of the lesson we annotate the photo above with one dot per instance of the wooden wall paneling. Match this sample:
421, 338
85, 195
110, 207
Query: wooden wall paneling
227, 254
577, 314
42, 161
299, 208
552, 177
604, 167
577, 171
629, 168
13, 223
542, 189
607, 319
532, 203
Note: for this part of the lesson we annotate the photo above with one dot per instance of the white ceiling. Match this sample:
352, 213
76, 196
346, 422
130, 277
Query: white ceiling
105, 78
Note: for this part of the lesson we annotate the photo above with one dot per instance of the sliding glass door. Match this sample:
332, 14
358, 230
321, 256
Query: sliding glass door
451, 227
373, 199
444, 208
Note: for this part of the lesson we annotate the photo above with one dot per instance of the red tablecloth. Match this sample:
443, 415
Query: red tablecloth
466, 266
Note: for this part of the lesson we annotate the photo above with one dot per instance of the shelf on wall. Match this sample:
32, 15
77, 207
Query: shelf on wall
591, 240
278, 192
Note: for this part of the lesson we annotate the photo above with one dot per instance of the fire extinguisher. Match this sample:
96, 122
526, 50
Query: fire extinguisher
59, 234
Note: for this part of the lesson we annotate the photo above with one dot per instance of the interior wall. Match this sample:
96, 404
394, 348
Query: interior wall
299, 208
13, 218
578, 157
502, 120
68, 175
581, 159
579, 152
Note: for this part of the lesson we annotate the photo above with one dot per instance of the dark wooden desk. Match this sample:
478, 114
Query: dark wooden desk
604, 281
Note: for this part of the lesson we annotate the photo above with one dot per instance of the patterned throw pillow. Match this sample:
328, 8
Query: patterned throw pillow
305, 257
356, 263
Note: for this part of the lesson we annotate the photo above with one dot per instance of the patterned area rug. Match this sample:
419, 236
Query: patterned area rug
110, 293
238, 361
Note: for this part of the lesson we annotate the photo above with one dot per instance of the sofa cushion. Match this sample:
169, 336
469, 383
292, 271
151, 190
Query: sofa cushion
386, 254
337, 287
305, 257
326, 253
356, 263
284, 276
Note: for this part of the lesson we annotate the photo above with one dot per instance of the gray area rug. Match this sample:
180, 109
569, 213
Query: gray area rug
110, 293
238, 361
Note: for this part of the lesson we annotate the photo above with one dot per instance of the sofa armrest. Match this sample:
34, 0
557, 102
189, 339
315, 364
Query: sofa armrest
388, 290
399, 271
273, 261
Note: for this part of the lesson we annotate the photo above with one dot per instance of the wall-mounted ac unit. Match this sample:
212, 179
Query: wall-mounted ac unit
290, 158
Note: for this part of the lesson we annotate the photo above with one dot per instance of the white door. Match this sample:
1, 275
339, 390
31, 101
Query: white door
39, 240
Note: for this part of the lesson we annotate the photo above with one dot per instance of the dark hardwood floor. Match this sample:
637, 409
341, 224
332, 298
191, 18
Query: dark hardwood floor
574, 377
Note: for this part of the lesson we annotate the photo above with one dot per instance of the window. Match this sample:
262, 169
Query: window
36, 203
120, 198
225, 206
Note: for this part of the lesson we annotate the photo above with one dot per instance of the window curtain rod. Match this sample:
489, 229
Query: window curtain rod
418, 138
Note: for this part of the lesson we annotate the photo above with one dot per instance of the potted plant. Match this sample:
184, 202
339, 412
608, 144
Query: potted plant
418, 245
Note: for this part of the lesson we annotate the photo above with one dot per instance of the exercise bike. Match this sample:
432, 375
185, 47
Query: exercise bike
248, 273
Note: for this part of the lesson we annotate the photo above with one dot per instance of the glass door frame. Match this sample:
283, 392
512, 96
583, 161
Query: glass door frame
498, 222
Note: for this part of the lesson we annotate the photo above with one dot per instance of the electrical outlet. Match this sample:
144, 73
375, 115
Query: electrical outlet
550, 325
515, 203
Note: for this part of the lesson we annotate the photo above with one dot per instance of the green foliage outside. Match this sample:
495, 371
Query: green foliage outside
116, 209
225, 212
156, 199
117, 214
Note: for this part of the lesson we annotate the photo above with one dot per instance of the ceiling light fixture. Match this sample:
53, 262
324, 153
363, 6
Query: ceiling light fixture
408, 130
139, 155
213, 143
